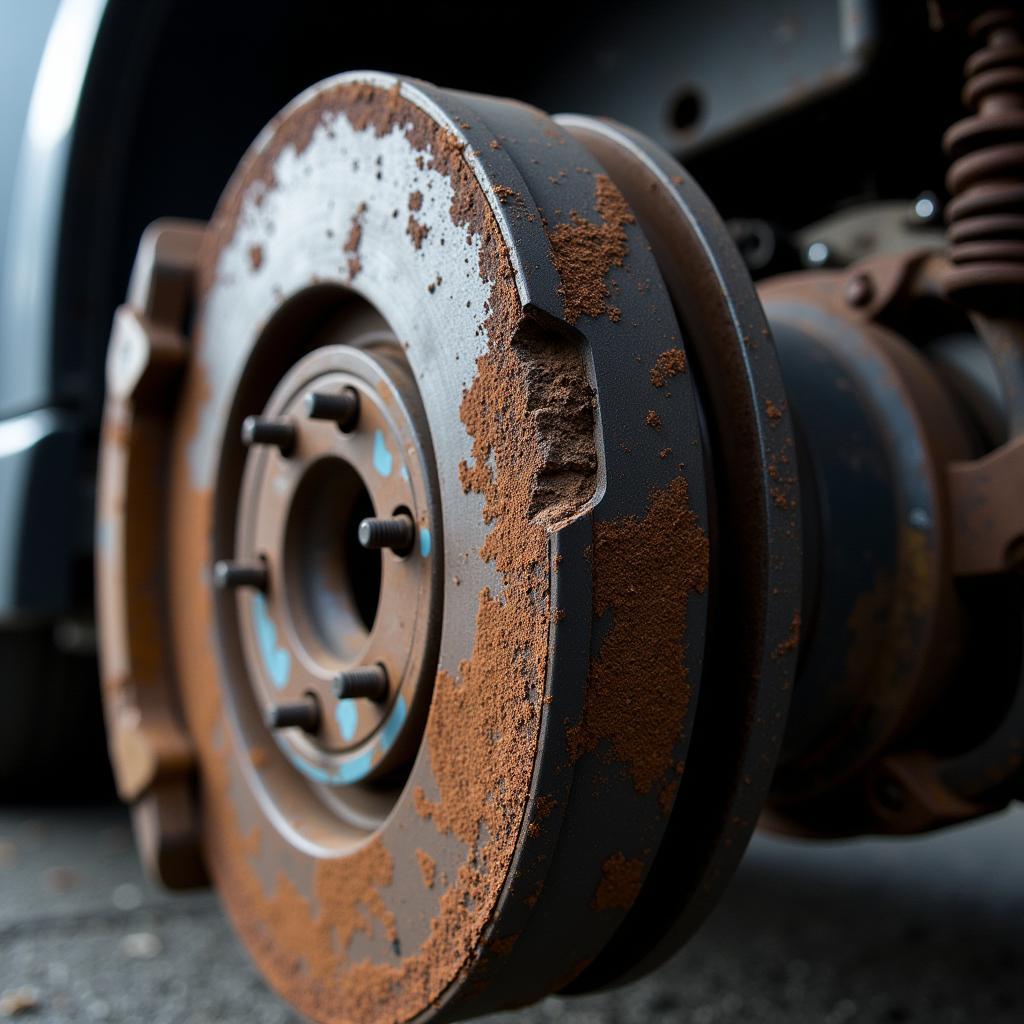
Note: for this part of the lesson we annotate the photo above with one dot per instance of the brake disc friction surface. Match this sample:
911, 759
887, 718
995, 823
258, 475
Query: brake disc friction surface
568, 464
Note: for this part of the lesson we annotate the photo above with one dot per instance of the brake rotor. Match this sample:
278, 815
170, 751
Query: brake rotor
477, 831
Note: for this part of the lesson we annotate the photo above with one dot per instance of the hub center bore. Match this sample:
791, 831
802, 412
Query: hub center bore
337, 564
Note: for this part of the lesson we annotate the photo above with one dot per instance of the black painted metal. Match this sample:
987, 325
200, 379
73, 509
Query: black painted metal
755, 556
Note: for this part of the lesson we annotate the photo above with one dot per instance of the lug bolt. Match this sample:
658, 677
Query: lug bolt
369, 681
396, 532
229, 575
342, 407
301, 714
276, 432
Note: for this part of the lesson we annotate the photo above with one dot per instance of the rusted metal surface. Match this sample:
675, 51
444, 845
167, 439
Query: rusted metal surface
509, 833
504, 567
907, 773
988, 525
755, 550
152, 754
986, 178
878, 431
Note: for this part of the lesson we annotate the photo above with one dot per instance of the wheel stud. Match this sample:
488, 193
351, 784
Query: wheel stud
301, 714
276, 432
396, 532
229, 575
369, 681
342, 407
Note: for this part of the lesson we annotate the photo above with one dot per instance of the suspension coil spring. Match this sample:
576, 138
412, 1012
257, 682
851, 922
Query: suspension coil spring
986, 178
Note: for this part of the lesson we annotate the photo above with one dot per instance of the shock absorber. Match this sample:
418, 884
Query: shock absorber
986, 177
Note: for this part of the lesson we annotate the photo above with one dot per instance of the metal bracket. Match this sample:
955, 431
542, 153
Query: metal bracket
150, 749
988, 521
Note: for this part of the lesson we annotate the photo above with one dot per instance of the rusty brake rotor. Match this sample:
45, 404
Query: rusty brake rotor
448, 432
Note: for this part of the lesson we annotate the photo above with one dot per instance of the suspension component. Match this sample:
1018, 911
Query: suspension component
986, 178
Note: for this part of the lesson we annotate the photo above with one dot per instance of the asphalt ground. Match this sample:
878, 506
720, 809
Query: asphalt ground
888, 931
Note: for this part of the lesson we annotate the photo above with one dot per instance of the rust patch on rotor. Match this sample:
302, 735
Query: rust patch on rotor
638, 690
428, 868
545, 805
583, 252
792, 640
355, 237
670, 363
417, 231
621, 880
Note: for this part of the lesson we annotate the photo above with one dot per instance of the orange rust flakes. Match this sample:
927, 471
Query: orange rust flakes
417, 231
772, 410
653, 420
667, 365
428, 868
295, 945
584, 252
620, 883
415, 201
503, 946
352, 242
638, 690
256, 256
545, 805
792, 640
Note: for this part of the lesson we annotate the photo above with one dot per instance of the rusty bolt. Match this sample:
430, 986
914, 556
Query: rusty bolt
859, 291
276, 432
229, 575
396, 532
369, 681
301, 714
342, 407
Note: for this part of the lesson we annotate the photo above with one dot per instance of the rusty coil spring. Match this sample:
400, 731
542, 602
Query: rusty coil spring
986, 178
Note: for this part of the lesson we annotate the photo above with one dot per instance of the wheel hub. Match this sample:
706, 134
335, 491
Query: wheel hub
357, 449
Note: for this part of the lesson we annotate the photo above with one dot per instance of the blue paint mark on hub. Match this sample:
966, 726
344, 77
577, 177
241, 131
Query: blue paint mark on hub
278, 660
348, 718
356, 769
393, 724
424, 541
383, 460
404, 473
